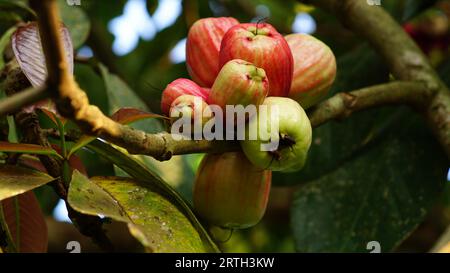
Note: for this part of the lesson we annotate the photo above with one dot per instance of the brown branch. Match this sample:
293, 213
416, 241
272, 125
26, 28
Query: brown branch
344, 104
401, 54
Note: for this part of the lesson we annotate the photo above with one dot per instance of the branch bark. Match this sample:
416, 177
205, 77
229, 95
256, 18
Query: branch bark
344, 104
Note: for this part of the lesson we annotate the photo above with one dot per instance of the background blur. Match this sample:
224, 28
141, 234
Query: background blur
143, 43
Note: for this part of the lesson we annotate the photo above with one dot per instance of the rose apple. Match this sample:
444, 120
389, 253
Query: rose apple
314, 69
262, 45
203, 46
239, 83
230, 192
282, 137
180, 87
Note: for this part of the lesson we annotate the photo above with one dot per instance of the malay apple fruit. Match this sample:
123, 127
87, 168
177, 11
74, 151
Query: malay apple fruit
279, 136
203, 46
180, 87
314, 69
262, 45
239, 83
230, 192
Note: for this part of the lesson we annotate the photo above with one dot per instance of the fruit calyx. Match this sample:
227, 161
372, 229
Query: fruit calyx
285, 142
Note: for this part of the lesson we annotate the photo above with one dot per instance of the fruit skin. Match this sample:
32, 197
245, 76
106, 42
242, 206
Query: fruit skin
230, 192
293, 137
191, 106
203, 46
239, 82
180, 87
314, 69
262, 45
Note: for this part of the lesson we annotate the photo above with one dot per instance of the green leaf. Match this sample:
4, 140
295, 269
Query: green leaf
120, 96
152, 219
380, 195
335, 142
4, 41
76, 21
16, 180
137, 170
8, 147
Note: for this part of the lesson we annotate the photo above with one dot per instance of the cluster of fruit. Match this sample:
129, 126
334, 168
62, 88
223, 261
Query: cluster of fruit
250, 64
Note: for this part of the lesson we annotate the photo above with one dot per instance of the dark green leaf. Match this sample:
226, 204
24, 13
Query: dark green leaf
120, 95
76, 21
380, 195
4, 41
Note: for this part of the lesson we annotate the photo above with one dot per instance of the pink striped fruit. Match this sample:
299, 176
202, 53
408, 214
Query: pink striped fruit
203, 46
230, 192
239, 83
314, 69
262, 45
180, 87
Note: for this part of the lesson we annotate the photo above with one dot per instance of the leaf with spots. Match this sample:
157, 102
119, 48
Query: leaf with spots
16, 180
381, 194
152, 219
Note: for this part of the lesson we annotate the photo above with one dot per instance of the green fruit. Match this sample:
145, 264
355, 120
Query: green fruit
230, 192
282, 139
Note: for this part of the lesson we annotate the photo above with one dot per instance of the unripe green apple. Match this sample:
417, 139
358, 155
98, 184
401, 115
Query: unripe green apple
314, 69
278, 139
230, 192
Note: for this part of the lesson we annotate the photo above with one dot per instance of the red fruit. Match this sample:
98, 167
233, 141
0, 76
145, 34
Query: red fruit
203, 46
262, 45
230, 192
314, 69
180, 87
239, 83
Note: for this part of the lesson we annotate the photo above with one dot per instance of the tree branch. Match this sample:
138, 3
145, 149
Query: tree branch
344, 104
404, 58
